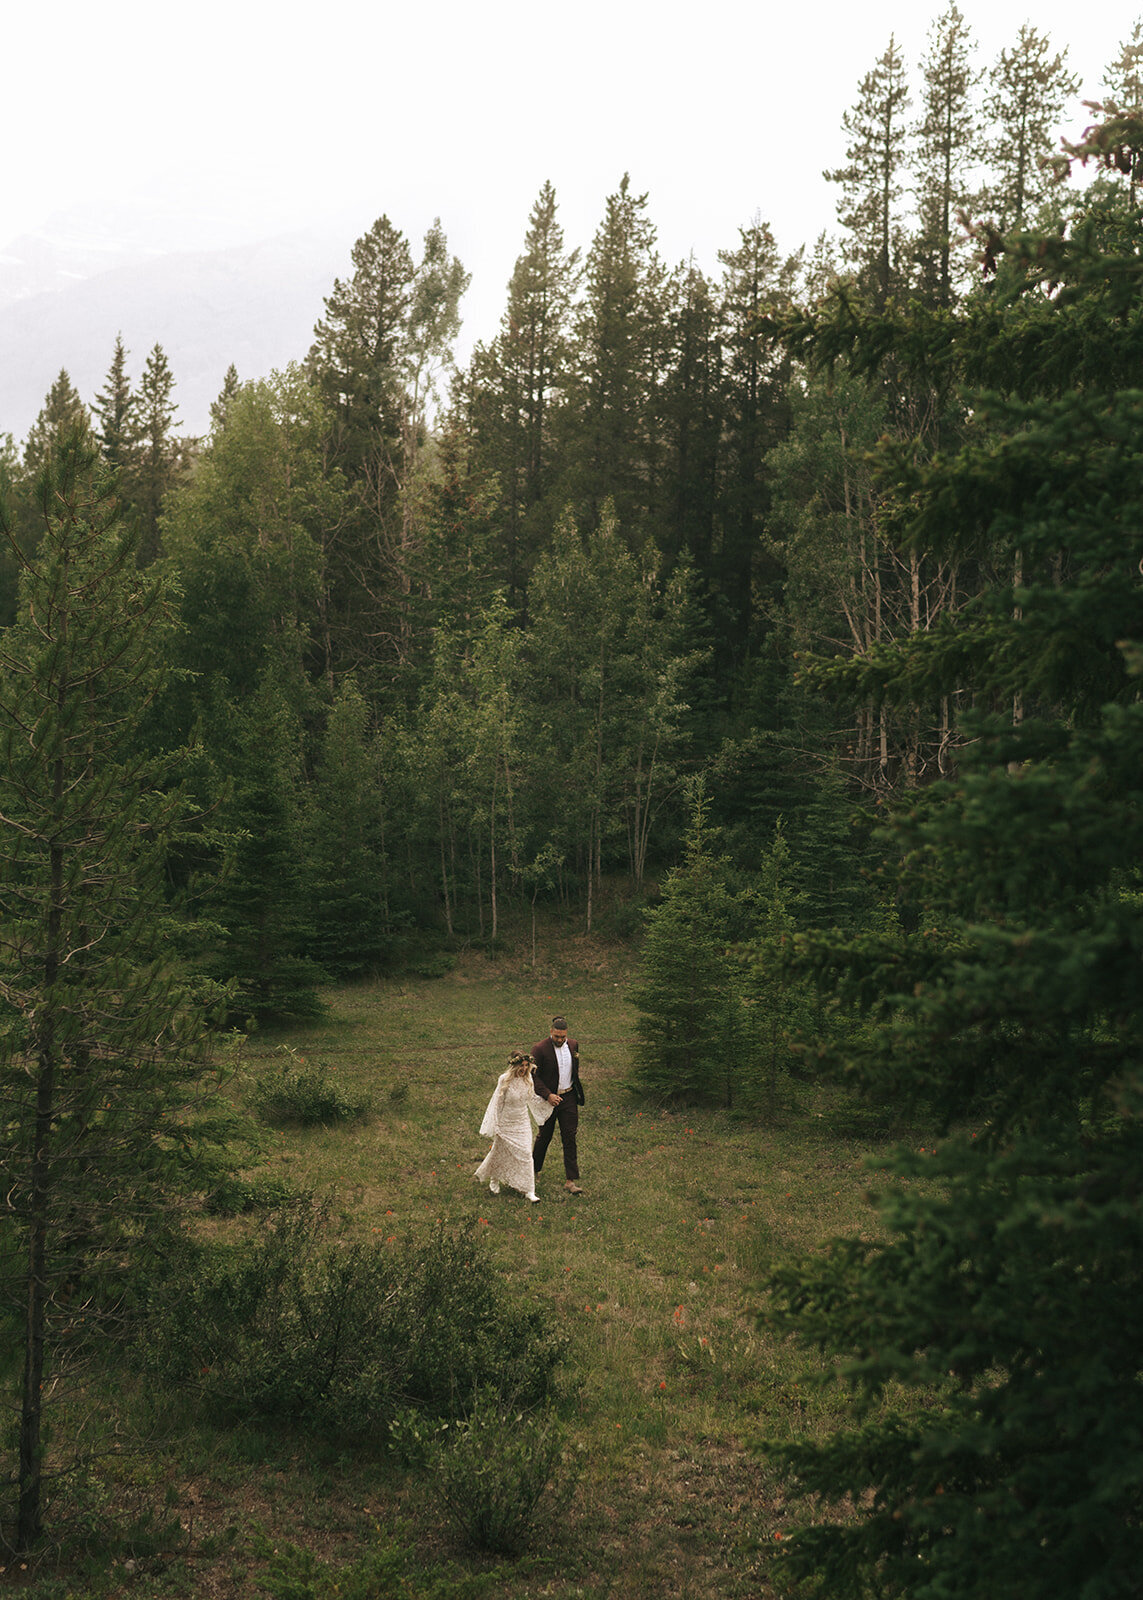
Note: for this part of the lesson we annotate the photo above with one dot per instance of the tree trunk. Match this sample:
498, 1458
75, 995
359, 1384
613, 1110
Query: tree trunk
492, 856
29, 1524
29, 1520
444, 872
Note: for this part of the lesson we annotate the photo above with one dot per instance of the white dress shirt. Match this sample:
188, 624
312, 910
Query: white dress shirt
563, 1057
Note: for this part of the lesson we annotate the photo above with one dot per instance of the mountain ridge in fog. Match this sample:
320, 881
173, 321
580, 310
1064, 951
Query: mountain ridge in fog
69, 288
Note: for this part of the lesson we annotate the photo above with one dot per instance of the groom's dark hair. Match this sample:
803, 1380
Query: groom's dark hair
559, 1022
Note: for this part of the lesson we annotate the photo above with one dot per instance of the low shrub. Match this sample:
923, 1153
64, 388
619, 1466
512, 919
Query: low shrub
235, 1195
491, 1470
305, 1093
387, 1572
300, 1325
413, 1437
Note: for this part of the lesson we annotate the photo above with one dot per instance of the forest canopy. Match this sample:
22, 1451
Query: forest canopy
788, 618
619, 536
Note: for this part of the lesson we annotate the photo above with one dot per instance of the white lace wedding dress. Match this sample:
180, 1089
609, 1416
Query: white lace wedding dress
508, 1123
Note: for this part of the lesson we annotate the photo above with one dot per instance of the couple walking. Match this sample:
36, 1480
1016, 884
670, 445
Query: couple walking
543, 1085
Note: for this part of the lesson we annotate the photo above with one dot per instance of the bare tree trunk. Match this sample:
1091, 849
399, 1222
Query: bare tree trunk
474, 857
1017, 613
590, 869
945, 737
492, 853
29, 1516
444, 871
29, 1524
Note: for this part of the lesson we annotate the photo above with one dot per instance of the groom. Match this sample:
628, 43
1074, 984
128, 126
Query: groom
557, 1082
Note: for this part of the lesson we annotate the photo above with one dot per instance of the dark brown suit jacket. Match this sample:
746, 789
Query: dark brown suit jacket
546, 1080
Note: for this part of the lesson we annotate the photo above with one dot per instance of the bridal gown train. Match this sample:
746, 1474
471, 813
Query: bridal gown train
508, 1123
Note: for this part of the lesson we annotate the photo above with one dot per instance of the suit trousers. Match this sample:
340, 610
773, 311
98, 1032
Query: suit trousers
567, 1115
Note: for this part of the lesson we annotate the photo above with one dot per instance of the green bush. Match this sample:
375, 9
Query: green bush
234, 1195
385, 1573
302, 1326
413, 1437
493, 1469
305, 1093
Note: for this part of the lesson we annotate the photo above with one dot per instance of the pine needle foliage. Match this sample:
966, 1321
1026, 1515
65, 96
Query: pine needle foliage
1010, 1267
101, 1053
689, 987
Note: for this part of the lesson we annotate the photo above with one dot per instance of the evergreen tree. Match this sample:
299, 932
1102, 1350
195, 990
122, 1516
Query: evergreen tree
850, 590
357, 354
1029, 87
1007, 1281
456, 767
343, 844
387, 334
10, 473
243, 537
1123, 79
117, 410
242, 540
159, 461
434, 322
356, 362
1123, 82
452, 570
514, 385
946, 154
613, 441
688, 992
498, 713
220, 408
872, 182
258, 899
101, 1052
780, 1003
755, 282
613, 658
691, 410
61, 414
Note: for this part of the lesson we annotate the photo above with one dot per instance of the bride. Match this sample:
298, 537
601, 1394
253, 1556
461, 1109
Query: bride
508, 1124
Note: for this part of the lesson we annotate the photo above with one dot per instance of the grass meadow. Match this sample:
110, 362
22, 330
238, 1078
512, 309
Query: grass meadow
670, 1389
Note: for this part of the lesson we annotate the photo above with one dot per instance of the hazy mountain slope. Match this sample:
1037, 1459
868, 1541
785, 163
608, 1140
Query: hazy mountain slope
254, 305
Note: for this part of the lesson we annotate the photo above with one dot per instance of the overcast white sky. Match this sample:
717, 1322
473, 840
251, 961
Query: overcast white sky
248, 118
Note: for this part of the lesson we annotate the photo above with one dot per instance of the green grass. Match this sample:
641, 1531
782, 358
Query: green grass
652, 1271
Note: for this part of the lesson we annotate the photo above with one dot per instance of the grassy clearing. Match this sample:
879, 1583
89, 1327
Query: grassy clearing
670, 1388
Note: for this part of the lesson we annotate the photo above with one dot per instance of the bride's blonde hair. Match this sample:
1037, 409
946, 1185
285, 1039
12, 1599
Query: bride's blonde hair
520, 1064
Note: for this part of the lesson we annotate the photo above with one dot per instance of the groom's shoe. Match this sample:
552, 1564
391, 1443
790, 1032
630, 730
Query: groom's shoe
572, 1187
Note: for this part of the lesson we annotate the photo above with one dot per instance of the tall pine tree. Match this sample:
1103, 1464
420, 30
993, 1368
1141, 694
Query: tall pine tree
1028, 89
101, 1050
118, 412
514, 385
946, 146
159, 461
988, 1325
873, 179
613, 440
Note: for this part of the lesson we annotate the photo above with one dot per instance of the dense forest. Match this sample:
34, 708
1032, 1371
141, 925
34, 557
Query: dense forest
445, 640
790, 615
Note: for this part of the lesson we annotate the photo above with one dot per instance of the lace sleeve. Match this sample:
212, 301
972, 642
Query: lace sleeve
491, 1123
